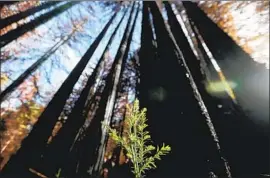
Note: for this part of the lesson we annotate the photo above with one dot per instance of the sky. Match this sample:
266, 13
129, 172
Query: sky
56, 69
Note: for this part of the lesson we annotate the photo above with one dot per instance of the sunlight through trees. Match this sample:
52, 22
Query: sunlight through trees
200, 68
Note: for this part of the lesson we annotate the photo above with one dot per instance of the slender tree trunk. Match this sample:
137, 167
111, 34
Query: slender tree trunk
33, 145
94, 131
35, 66
9, 20
57, 152
16, 33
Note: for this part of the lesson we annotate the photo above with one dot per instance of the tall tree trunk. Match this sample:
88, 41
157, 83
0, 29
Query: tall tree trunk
4, 94
92, 140
16, 33
245, 144
137, 73
14, 18
173, 109
71, 167
115, 91
57, 152
33, 145
213, 153
146, 57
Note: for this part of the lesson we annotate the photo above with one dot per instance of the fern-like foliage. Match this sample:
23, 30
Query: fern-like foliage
137, 141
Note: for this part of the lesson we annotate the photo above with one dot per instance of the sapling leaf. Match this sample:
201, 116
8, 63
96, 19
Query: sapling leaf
137, 142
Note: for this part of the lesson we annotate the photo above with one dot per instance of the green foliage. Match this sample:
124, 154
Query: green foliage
137, 141
58, 173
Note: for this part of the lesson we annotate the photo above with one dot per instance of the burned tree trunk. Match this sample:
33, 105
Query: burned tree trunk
34, 144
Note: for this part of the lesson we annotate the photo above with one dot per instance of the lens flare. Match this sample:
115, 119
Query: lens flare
222, 87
